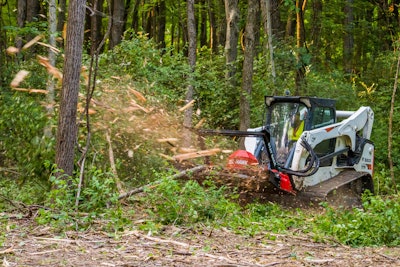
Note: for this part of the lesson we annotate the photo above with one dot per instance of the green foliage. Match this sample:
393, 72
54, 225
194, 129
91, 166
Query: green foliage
22, 141
173, 202
376, 225
14, 192
96, 196
217, 101
159, 74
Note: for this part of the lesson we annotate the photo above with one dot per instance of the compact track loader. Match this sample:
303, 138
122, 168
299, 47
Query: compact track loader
308, 150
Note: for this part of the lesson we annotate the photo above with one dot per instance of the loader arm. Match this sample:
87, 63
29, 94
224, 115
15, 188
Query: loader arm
351, 138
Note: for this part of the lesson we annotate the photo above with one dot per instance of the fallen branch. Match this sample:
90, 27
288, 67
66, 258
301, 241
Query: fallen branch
197, 154
175, 176
159, 240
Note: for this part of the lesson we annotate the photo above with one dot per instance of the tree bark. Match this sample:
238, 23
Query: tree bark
266, 9
390, 127
249, 48
300, 37
232, 35
118, 23
203, 24
67, 126
161, 24
316, 30
96, 26
276, 24
348, 41
135, 15
290, 23
52, 15
191, 26
62, 7
213, 27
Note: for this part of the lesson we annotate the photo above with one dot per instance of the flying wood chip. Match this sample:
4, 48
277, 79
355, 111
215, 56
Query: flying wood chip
32, 42
19, 78
44, 61
138, 95
197, 154
12, 50
188, 105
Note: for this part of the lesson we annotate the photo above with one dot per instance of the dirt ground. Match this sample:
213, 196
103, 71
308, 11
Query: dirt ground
28, 244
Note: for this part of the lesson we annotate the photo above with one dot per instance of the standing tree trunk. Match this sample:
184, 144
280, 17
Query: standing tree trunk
96, 25
276, 24
203, 23
118, 23
266, 8
67, 126
348, 42
316, 30
213, 28
52, 60
62, 6
28, 11
161, 24
390, 129
249, 48
301, 39
232, 35
135, 15
191, 26
290, 22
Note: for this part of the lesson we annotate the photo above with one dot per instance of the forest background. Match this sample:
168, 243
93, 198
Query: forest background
224, 55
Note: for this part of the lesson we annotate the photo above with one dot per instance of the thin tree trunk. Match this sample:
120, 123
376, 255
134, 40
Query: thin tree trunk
118, 23
67, 126
249, 48
348, 42
191, 26
203, 23
161, 23
232, 35
213, 28
135, 16
267, 18
390, 130
62, 7
96, 23
290, 23
21, 18
316, 31
276, 23
52, 61
300, 37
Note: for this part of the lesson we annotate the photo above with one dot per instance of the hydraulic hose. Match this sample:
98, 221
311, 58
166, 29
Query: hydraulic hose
312, 166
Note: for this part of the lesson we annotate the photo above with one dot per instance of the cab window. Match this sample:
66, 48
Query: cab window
323, 116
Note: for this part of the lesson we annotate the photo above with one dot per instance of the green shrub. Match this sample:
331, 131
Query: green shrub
22, 142
98, 193
173, 202
377, 224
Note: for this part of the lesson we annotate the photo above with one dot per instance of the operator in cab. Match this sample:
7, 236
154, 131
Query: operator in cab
296, 127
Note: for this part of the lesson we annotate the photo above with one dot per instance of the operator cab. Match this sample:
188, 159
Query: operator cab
287, 117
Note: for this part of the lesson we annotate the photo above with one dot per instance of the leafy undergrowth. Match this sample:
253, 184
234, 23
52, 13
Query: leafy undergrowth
143, 137
137, 126
145, 123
